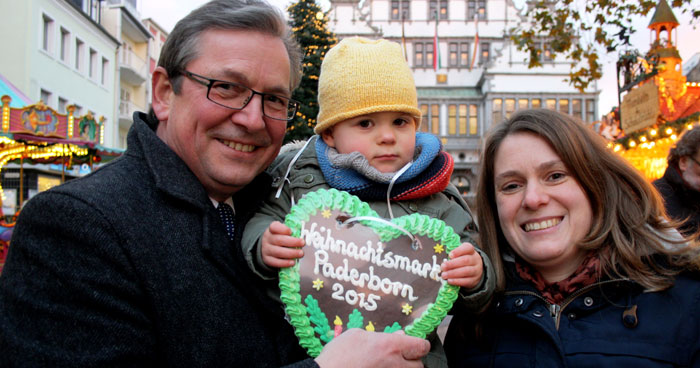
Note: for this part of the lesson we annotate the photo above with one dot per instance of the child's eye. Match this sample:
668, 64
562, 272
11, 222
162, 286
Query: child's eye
364, 123
401, 122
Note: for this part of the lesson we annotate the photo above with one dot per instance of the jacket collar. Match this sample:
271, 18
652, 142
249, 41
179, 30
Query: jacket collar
170, 173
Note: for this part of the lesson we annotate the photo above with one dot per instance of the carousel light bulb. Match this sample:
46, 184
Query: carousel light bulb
669, 131
632, 143
674, 137
643, 139
653, 132
617, 148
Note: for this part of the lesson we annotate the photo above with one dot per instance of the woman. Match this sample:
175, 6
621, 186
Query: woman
589, 272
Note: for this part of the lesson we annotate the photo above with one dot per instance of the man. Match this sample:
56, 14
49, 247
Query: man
680, 185
133, 265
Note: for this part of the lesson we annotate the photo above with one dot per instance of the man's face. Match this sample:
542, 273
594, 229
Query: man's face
226, 148
690, 170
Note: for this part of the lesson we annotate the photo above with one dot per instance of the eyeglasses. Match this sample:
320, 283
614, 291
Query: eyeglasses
237, 96
694, 160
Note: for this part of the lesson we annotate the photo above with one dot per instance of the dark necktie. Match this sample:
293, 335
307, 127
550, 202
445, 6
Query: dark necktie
227, 218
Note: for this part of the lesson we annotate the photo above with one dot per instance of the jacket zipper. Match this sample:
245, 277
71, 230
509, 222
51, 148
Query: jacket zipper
555, 310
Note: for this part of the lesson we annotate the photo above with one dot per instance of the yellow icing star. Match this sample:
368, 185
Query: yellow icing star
369, 327
318, 284
439, 248
326, 213
406, 309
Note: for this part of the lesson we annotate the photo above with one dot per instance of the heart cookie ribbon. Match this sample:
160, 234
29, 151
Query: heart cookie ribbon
362, 271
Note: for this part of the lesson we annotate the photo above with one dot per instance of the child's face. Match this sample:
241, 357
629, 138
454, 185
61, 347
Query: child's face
386, 139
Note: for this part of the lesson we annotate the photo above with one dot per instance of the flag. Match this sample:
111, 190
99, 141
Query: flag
436, 47
476, 40
403, 38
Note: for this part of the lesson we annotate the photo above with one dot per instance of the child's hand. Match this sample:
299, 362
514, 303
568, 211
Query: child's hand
464, 267
279, 248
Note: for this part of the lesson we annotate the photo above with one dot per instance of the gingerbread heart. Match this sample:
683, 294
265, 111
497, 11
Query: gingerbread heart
360, 270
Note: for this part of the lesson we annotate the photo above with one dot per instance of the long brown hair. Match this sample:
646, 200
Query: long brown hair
629, 229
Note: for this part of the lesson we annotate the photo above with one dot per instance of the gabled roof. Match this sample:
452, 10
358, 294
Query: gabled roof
663, 14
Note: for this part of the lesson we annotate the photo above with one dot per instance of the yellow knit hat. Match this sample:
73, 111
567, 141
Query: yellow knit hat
362, 76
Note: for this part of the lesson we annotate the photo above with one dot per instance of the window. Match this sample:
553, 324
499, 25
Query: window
78, 110
473, 120
92, 71
551, 104
484, 57
510, 107
564, 106
452, 119
423, 54
45, 97
79, 54
418, 58
47, 33
590, 110
62, 105
496, 109
400, 9
546, 51
435, 119
476, 8
522, 104
438, 6
105, 72
424, 120
65, 45
463, 119
459, 54
536, 103
576, 108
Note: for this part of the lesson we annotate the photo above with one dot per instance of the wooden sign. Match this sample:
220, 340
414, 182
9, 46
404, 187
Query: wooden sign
640, 108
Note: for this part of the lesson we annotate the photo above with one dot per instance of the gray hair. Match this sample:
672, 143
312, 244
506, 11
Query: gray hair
181, 47
687, 146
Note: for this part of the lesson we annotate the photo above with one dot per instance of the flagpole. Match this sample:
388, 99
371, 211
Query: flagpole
436, 47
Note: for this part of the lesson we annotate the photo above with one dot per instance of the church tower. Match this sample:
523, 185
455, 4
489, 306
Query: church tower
670, 78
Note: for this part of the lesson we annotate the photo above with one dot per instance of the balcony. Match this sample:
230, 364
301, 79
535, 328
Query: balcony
133, 69
126, 110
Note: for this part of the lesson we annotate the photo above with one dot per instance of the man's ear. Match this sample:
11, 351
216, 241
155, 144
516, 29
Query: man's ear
162, 93
327, 136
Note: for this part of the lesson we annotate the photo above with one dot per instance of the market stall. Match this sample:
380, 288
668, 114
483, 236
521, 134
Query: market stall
37, 134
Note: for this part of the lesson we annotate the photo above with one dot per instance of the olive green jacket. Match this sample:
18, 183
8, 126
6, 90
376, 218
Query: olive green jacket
305, 176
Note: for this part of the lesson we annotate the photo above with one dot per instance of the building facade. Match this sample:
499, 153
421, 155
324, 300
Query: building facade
159, 35
122, 19
475, 78
57, 53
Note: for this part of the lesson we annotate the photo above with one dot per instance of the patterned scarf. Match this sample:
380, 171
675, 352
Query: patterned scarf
586, 274
430, 172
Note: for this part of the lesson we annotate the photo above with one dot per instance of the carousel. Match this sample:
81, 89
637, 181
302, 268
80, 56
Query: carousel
659, 104
37, 134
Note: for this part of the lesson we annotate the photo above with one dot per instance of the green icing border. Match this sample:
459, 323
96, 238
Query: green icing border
415, 223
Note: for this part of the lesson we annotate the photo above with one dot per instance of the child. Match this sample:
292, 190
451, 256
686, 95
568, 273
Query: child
368, 146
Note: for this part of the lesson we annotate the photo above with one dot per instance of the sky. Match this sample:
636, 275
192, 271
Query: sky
167, 12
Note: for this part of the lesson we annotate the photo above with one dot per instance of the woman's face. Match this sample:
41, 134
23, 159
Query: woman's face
543, 211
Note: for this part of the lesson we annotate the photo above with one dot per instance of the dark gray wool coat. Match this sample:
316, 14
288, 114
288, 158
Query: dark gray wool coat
130, 266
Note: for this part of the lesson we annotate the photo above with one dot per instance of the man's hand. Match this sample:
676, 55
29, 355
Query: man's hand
279, 248
464, 268
360, 348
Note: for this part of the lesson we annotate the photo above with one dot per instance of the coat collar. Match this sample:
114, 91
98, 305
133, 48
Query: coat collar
170, 173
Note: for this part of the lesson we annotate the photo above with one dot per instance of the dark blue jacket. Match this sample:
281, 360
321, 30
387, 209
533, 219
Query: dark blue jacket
609, 324
131, 266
